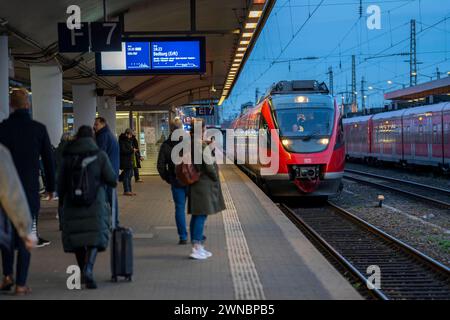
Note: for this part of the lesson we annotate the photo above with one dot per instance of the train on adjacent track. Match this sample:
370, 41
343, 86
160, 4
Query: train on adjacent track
418, 136
309, 139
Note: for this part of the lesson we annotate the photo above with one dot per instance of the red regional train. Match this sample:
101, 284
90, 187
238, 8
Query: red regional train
310, 139
414, 136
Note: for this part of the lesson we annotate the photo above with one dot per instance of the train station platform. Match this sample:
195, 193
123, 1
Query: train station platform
257, 253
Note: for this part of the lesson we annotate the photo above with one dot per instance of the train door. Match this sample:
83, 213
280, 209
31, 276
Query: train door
398, 140
436, 138
446, 135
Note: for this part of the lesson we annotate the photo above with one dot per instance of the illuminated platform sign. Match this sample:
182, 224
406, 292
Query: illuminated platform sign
154, 56
204, 111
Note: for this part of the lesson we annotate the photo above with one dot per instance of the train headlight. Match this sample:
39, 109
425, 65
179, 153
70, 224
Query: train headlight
301, 99
324, 141
286, 142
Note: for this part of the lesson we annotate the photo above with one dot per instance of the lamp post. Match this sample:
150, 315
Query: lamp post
390, 82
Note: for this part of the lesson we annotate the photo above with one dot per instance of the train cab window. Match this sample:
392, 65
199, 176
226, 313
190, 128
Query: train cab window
307, 123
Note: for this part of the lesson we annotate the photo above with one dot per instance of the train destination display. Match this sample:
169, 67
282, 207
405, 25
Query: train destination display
154, 56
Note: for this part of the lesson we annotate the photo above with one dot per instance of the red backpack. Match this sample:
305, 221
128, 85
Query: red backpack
186, 174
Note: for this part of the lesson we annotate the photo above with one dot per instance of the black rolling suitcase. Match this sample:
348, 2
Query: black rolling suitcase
121, 248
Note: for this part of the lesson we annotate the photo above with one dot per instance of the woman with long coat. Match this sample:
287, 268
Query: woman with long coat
85, 228
205, 197
126, 161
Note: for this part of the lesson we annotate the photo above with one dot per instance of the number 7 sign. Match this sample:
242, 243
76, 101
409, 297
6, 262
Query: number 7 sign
106, 36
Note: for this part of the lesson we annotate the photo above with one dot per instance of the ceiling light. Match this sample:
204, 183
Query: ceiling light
244, 42
235, 65
250, 25
247, 34
237, 60
255, 14
239, 54
222, 98
241, 49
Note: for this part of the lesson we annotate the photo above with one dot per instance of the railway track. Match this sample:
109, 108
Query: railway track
430, 194
355, 244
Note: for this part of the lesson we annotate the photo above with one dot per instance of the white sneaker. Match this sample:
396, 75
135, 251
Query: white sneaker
197, 254
205, 252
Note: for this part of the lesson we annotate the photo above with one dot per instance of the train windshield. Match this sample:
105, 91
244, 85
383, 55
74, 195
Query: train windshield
313, 117
305, 121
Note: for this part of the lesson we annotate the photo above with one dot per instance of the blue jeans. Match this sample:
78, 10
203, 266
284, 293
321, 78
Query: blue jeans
23, 261
196, 227
128, 174
179, 197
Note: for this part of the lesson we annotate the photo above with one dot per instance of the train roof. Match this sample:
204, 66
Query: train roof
298, 86
423, 109
390, 114
357, 119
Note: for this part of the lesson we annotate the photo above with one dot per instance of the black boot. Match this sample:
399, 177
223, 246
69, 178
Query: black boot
91, 254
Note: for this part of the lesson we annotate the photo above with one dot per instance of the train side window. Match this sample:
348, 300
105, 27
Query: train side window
407, 137
421, 137
340, 134
263, 125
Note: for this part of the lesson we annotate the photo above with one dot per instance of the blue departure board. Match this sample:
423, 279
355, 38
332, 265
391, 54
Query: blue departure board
137, 55
154, 56
176, 55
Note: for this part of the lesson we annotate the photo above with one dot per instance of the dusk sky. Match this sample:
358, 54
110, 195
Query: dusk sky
332, 31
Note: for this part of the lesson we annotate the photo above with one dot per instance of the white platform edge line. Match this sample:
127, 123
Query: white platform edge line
246, 281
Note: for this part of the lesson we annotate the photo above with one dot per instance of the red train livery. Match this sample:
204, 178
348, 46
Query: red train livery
310, 139
417, 136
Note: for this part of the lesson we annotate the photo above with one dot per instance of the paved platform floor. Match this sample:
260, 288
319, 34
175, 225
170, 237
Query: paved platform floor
258, 253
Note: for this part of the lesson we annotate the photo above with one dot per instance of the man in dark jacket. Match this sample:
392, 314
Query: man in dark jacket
107, 142
27, 140
126, 161
138, 157
166, 169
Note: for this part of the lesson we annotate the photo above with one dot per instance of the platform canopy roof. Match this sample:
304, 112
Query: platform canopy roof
32, 29
436, 87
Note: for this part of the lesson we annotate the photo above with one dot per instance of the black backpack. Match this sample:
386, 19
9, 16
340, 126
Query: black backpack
84, 181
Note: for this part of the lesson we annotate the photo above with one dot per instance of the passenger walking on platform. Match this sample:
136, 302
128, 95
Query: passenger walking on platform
13, 201
107, 142
126, 161
137, 158
27, 140
86, 213
166, 169
204, 196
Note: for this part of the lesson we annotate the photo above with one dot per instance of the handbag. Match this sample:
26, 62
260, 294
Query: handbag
6, 231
